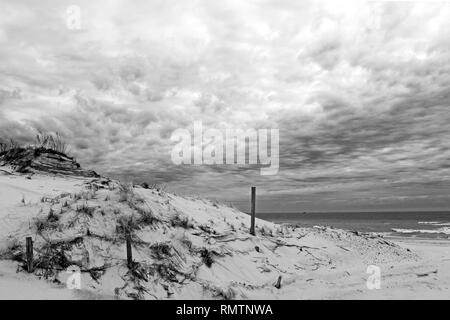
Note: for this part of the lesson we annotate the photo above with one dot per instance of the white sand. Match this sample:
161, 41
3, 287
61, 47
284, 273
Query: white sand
314, 263
427, 278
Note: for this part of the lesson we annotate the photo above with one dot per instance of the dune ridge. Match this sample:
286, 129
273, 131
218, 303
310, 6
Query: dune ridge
183, 247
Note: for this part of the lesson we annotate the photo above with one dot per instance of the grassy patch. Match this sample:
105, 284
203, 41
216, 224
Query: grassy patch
181, 221
85, 209
207, 257
126, 192
51, 222
52, 142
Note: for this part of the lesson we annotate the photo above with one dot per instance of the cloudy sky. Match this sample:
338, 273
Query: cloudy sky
360, 92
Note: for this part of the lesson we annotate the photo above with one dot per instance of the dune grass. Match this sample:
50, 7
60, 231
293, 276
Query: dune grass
48, 141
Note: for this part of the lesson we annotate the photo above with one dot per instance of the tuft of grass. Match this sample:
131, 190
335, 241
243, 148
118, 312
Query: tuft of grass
232, 227
161, 250
126, 192
126, 225
266, 231
51, 222
52, 217
13, 251
146, 217
84, 208
88, 195
207, 257
3, 147
51, 141
181, 221
8, 145
206, 228
228, 294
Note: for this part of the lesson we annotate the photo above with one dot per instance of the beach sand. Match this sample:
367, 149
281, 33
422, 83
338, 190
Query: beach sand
427, 278
202, 249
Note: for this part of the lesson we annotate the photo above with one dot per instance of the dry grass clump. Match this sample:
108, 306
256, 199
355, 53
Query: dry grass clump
84, 208
126, 224
226, 294
48, 141
182, 221
146, 217
8, 145
207, 257
137, 203
161, 250
266, 231
206, 228
13, 250
53, 257
51, 222
85, 195
126, 192
52, 142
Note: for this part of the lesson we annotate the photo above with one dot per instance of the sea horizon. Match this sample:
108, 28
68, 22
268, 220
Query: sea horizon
423, 223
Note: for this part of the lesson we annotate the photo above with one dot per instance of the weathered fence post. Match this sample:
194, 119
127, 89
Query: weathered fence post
129, 252
29, 253
252, 224
278, 284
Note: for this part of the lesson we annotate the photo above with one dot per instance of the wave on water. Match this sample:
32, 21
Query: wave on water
445, 230
434, 223
428, 222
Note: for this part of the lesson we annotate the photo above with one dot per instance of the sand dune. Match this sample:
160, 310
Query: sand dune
191, 248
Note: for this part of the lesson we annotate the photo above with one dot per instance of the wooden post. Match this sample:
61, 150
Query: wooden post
129, 252
252, 224
29, 252
278, 284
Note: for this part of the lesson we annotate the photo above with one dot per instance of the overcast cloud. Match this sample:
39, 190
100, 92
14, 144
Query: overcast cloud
360, 92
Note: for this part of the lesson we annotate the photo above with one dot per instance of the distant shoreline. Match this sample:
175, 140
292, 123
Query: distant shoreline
405, 224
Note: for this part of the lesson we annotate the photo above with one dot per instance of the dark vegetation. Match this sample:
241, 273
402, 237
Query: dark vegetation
47, 154
44, 141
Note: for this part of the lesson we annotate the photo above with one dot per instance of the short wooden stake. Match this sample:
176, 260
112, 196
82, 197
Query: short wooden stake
129, 252
252, 224
29, 252
278, 284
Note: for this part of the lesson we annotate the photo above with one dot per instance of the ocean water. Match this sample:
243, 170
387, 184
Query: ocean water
406, 224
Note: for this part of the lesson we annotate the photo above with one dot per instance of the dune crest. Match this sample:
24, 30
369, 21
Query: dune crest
183, 247
43, 160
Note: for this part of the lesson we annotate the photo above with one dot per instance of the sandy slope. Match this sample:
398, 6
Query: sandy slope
188, 248
429, 278
15, 188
